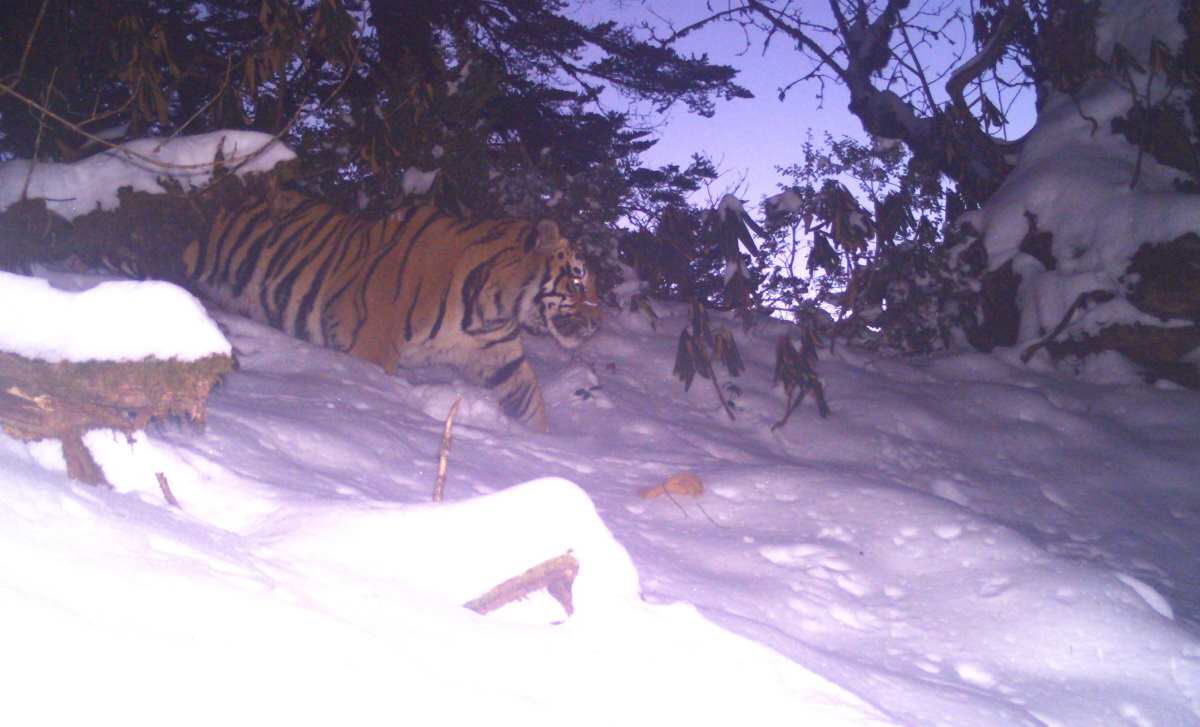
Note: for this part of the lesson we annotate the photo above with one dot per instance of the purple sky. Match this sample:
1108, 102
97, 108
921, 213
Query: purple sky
746, 139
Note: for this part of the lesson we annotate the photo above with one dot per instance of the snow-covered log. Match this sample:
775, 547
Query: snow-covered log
63, 372
64, 400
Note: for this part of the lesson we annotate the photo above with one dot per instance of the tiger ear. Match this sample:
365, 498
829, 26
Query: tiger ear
547, 234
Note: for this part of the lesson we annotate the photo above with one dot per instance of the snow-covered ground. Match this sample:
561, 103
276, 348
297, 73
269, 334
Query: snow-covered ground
965, 541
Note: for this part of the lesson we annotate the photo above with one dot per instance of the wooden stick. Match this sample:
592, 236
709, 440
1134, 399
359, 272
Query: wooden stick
166, 490
439, 485
556, 575
81, 465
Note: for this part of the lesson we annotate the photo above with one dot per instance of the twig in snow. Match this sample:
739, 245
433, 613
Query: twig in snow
556, 575
439, 485
166, 490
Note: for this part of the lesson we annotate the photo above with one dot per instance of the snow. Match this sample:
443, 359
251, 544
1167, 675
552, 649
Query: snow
71, 190
730, 206
169, 322
965, 541
417, 181
786, 201
1074, 174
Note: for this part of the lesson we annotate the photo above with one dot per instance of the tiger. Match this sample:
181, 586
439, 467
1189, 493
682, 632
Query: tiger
412, 288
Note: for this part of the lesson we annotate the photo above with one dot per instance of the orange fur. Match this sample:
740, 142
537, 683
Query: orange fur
415, 287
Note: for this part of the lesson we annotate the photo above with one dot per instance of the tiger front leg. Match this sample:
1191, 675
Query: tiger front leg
516, 386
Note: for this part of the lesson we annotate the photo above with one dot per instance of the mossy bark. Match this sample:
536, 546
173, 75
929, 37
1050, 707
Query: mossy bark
63, 400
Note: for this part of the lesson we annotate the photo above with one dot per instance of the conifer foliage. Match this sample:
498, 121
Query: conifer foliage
483, 106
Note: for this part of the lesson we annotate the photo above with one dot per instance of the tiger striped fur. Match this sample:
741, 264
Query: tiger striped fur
415, 287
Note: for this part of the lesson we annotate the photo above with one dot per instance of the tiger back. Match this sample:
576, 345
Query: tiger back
413, 288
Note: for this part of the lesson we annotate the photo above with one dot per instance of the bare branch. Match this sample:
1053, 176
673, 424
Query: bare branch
798, 35
984, 59
29, 42
692, 27
918, 69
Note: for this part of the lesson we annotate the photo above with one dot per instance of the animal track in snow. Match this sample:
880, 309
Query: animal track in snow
856, 618
993, 586
948, 531
853, 585
799, 553
948, 490
818, 562
1153, 598
975, 674
1135, 716
1053, 496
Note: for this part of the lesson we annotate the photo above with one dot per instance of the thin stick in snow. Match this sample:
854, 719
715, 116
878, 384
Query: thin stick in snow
166, 490
439, 485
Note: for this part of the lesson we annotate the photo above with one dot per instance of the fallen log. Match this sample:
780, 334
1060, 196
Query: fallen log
64, 400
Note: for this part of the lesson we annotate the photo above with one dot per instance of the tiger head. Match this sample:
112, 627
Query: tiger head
567, 304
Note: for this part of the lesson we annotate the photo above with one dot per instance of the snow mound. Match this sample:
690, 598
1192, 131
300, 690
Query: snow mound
57, 325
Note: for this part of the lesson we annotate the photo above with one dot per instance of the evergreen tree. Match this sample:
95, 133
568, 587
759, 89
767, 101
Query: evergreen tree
486, 107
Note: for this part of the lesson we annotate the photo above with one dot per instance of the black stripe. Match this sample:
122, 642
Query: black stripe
412, 244
519, 301
510, 336
441, 314
331, 263
293, 241
412, 307
473, 285
495, 232
390, 233
245, 271
516, 403
504, 373
256, 254
282, 268
221, 257
283, 291
269, 237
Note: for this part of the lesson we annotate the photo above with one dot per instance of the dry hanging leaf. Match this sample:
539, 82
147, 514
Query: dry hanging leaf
681, 483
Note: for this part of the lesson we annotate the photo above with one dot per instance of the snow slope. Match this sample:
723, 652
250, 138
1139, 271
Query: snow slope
965, 541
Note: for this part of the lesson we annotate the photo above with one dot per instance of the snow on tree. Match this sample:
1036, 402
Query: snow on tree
1078, 238
1088, 218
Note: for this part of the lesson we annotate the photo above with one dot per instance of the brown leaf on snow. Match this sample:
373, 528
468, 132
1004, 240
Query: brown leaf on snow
680, 483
